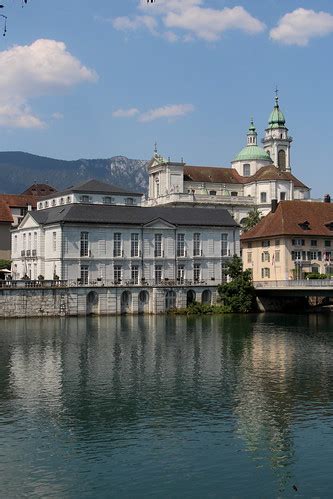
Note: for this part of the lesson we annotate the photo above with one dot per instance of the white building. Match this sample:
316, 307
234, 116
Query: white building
256, 177
92, 232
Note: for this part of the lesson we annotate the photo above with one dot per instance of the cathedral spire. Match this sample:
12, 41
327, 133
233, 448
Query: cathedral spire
252, 134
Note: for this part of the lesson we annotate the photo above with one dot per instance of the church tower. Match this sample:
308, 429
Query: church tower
277, 141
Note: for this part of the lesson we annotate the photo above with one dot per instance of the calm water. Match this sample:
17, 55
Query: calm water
164, 407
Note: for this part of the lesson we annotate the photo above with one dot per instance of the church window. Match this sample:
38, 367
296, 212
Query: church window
246, 170
282, 159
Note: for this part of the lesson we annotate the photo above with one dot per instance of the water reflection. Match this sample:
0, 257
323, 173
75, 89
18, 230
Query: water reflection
94, 396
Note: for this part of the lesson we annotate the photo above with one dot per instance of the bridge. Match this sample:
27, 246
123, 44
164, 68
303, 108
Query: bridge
291, 295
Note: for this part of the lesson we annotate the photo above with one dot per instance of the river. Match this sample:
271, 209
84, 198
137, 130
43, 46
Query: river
167, 407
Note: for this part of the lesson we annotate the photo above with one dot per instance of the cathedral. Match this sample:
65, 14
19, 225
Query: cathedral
257, 176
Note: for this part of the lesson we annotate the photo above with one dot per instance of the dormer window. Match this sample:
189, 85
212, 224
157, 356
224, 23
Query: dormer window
40, 206
53, 202
329, 226
68, 199
305, 225
107, 200
84, 199
46, 204
129, 201
62, 201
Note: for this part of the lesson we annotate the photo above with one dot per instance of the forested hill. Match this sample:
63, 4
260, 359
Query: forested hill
18, 170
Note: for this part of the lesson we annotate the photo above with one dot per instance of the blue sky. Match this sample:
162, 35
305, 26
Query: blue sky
105, 77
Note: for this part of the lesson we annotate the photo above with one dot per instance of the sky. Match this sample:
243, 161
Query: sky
96, 79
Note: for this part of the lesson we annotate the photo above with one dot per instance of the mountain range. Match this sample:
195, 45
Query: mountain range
19, 170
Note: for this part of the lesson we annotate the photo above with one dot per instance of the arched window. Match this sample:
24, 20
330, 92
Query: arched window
246, 170
282, 159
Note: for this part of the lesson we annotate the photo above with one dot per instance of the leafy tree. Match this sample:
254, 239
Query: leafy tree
238, 294
253, 217
5, 264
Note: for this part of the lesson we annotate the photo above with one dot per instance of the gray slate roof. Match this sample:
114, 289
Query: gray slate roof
132, 215
94, 187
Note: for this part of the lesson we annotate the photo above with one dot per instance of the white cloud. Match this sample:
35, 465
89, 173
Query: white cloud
190, 17
125, 113
170, 112
57, 116
30, 71
299, 26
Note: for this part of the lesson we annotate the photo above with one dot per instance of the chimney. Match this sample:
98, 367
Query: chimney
327, 198
29, 207
274, 205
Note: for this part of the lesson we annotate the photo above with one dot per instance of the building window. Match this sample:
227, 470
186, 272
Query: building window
196, 244
24, 241
296, 255
84, 244
265, 256
263, 197
327, 256
277, 242
53, 202
62, 201
129, 201
15, 244
249, 257
54, 242
282, 196
224, 244
328, 244
282, 159
157, 187
212, 193
196, 272
224, 270
234, 194
158, 274
181, 245
249, 245
135, 274
266, 243
297, 242
158, 245
180, 274
117, 245
246, 170
134, 245
84, 274
313, 242
84, 199
314, 255
107, 200
40, 206
265, 273
277, 256
117, 274
29, 241
46, 204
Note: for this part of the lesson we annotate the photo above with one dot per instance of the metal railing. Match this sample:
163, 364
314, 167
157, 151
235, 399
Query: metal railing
77, 283
294, 283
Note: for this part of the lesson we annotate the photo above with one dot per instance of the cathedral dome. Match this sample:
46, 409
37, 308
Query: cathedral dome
276, 119
251, 153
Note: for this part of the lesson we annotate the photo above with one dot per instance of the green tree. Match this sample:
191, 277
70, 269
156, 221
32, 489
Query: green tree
253, 217
5, 264
238, 294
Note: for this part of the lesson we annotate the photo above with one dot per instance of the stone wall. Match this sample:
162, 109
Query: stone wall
75, 301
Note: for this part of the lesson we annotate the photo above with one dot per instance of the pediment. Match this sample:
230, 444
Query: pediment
28, 222
159, 223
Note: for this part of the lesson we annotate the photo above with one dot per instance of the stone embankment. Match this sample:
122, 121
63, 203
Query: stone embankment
58, 299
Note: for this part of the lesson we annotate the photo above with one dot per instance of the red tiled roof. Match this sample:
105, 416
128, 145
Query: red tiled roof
288, 218
18, 201
230, 175
5, 213
271, 172
211, 174
39, 190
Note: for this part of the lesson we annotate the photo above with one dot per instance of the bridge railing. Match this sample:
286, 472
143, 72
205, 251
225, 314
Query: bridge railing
293, 283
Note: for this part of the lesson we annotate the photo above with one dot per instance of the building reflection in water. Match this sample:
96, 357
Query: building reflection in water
108, 378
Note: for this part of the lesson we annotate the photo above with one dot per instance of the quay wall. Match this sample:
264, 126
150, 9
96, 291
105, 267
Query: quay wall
86, 300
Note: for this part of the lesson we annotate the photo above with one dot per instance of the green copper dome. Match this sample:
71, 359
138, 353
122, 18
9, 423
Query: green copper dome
276, 119
253, 152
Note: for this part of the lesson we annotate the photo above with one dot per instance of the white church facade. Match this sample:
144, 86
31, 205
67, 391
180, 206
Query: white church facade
257, 176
